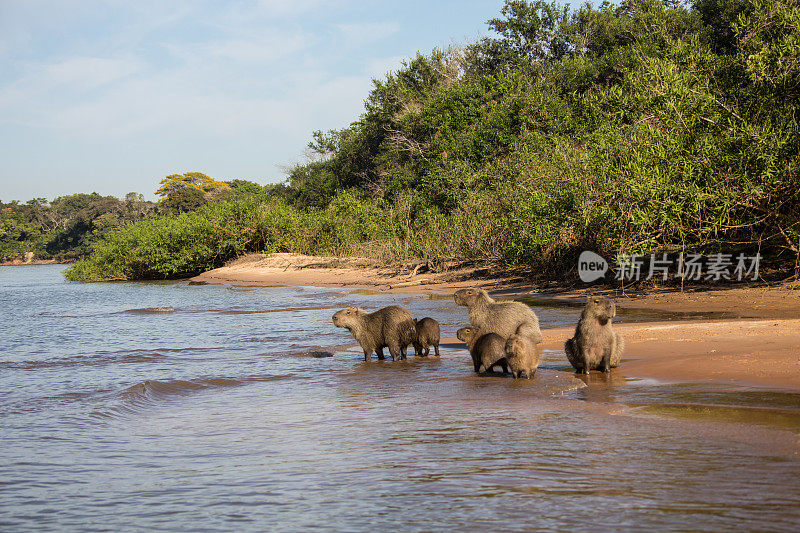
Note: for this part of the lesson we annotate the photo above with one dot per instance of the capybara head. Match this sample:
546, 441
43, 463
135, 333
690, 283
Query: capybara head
347, 318
468, 296
513, 345
600, 307
467, 334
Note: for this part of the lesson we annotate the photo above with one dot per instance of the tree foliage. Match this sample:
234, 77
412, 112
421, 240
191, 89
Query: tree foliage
191, 180
183, 200
65, 228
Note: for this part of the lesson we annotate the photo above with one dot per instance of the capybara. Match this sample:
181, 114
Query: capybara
426, 334
487, 350
503, 318
522, 356
391, 327
595, 346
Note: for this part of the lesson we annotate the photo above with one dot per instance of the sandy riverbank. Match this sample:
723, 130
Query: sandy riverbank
757, 344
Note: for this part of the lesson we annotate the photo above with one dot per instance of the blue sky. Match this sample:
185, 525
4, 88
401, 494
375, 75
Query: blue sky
112, 96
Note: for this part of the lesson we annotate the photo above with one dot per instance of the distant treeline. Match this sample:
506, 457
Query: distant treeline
648, 126
65, 228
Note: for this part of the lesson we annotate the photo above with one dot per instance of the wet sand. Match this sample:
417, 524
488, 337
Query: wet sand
764, 353
756, 345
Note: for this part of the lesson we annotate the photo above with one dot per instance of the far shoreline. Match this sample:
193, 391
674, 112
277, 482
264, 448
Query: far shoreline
21, 262
757, 344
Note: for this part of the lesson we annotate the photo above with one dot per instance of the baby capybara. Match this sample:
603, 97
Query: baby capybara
503, 318
522, 356
426, 334
595, 346
487, 350
391, 327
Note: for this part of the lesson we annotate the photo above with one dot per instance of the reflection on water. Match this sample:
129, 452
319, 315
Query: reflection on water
245, 409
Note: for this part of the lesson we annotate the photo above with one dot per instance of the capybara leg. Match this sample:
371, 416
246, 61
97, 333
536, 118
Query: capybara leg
367, 356
395, 353
605, 365
426, 352
436, 347
379, 351
504, 366
585, 357
618, 348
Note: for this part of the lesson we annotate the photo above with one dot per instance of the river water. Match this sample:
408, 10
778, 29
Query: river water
173, 406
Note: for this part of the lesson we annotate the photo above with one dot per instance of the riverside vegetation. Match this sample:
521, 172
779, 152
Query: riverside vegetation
648, 126
66, 228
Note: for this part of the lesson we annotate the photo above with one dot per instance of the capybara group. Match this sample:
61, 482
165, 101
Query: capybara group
595, 346
522, 356
503, 318
486, 349
502, 334
426, 334
391, 327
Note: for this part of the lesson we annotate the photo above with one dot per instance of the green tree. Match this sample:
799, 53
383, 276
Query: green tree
769, 42
531, 31
183, 200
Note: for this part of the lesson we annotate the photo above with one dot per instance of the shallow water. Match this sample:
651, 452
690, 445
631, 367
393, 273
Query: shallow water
175, 406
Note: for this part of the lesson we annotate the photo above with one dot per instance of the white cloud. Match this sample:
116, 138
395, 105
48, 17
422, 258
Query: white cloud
88, 72
289, 7
362, 33
264, 49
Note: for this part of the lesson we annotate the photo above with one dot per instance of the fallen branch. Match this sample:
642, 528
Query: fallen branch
423, 281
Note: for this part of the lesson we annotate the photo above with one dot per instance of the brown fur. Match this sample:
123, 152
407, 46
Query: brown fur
523, 356
595, 346
487, 350
391, 327
503, 318
426, 334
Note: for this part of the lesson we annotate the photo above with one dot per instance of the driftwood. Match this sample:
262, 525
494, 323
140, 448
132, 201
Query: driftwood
434, 265
423, 281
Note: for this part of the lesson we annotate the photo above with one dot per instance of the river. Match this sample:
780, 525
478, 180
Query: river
175, 406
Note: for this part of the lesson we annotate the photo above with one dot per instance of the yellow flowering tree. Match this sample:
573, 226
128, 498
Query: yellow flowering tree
192, 180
